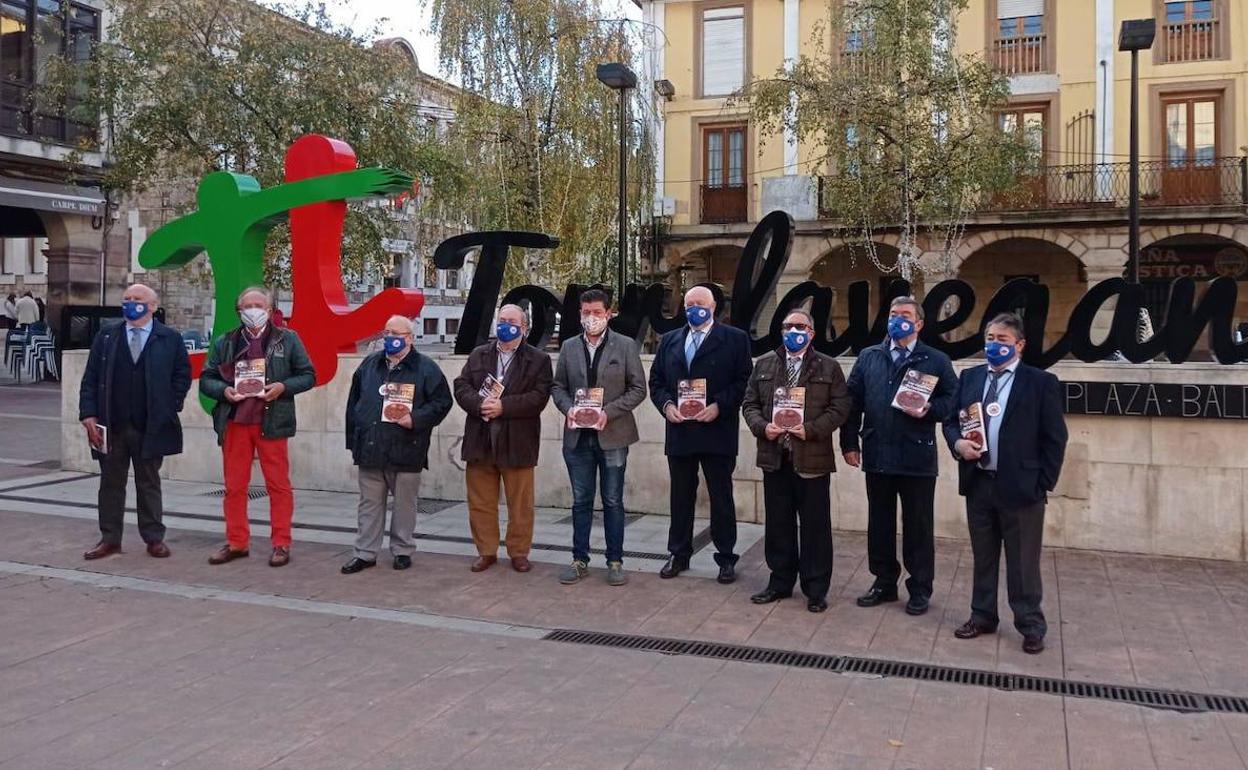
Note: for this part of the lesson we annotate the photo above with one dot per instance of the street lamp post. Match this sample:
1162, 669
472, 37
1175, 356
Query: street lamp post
1136, 35
619, 77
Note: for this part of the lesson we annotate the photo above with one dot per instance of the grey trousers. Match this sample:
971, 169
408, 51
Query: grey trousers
376, 486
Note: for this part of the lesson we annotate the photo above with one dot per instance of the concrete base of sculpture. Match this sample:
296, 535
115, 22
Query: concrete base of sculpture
1165, 486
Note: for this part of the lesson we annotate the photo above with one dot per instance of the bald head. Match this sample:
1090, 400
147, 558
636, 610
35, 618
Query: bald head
399, 325
143, 296
514, 314
700, 295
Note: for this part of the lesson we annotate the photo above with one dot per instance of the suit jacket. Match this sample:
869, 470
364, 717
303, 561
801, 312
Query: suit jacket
827, 405
1032, 440
723, 360
512, 439
621, 378
893, 441
167, 370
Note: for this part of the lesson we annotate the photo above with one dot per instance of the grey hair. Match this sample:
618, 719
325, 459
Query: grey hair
810, 319
908, 300
1010, 321
528, 318
411, 327
268, 296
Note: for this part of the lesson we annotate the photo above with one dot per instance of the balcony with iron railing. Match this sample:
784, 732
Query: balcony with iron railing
1021, 55
1218, 182
1190, 40
724, 204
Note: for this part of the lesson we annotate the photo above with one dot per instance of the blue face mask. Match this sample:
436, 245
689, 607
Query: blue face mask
998, 353
132, 310
899, 328
394, 345
795, 340
507, 332
697, 315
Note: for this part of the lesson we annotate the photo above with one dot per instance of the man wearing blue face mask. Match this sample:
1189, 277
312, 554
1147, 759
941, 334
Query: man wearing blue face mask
898, 454
397, 398
796, 453
701, 434
503, 388
134, 385
1006, 482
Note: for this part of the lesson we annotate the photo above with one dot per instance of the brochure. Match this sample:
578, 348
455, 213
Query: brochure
249, 377
971, 425
397, 403
788, 410
915, 390
587, 407
690, 397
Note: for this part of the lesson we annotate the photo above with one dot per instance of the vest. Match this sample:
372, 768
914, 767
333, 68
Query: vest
128, 389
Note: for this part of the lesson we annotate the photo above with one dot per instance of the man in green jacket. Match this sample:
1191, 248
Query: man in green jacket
254, 373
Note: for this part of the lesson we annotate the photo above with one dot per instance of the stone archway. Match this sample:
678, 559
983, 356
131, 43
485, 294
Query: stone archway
849, 263
1049, 263
1201, 253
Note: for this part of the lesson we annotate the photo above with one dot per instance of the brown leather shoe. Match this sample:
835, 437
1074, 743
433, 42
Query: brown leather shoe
101, 550
971, 629
280, 557
226, 553
158, 550
483, 563
521, 563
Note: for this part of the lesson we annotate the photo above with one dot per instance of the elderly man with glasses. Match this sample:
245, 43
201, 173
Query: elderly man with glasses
797, 455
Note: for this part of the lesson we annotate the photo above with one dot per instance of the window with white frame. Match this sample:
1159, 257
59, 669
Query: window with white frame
723, 50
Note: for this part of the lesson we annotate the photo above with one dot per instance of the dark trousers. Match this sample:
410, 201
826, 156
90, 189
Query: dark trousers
918, 546
1020, 531
587, 464
792, 550
684, 495
125, 448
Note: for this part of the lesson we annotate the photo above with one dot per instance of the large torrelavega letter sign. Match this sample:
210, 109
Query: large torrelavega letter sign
641, 307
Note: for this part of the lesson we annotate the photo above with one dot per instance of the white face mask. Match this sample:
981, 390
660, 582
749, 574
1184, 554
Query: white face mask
254, 317
593, 325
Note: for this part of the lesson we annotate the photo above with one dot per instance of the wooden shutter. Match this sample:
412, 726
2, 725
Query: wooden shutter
723, 50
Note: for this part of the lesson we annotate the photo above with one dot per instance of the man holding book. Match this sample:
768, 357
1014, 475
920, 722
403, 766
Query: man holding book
795, 401
902, 389
504, 386
133, 387
598, 383
254, 374
397, 398
697, 382
1008, 433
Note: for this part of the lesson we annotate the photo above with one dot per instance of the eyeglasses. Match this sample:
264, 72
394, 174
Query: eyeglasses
795, 327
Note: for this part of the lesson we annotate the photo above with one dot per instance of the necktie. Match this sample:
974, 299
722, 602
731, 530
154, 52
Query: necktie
136, 345
900, 355
795, 366
991, 398
691, 348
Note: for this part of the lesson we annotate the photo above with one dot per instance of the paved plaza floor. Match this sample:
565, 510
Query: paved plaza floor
134, 662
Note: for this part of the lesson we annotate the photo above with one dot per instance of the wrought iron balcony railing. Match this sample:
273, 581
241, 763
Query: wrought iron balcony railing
1216, 182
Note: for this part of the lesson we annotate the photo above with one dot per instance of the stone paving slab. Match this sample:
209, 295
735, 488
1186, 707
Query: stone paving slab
220, 684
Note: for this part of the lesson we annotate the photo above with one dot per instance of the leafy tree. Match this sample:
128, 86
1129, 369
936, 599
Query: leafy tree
186, 87
536, 131
905, 122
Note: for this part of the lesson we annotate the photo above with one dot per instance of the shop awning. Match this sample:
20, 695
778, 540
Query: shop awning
44, 196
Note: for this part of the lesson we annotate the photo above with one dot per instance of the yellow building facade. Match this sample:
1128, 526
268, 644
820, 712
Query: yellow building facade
1070, 96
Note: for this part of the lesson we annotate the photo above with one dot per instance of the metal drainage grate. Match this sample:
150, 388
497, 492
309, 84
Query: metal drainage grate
1150, 697
253, 493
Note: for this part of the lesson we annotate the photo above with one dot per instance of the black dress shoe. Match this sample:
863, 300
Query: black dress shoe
817, 605
917, 605
971, 629
727, 574
1033, 645
356, 565
673, 567
402, 561
769, 595
877, 596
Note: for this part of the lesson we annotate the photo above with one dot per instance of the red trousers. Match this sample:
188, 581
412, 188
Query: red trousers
242, 444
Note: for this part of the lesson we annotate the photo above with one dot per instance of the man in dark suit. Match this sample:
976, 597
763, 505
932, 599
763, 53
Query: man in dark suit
502, 436
797, 461
135, 382
720, 355
598, 358
1006, 483
898, 454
